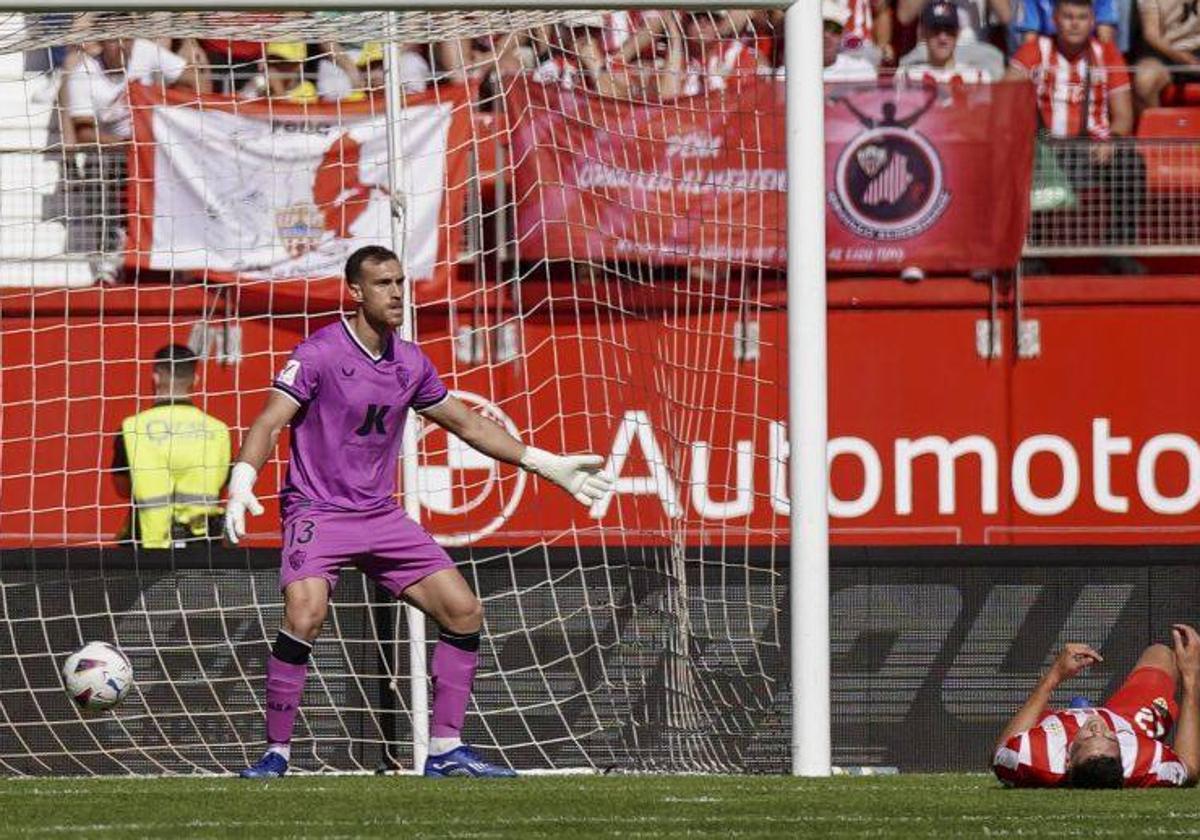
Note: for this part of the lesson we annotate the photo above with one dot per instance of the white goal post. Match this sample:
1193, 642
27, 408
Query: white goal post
808, 567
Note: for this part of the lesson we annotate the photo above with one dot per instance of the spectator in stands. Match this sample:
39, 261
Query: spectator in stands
171, 460
1083, 95
572, 59
702, 51
975, 17
1037, 17
575, 58
943, 56
353, 74
477, 59
868, 32
96, 81
282, 78
232, 64
97, 108
719, 54
840, 65
1171, 38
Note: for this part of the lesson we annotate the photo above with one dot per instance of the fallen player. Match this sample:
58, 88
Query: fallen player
1123, 742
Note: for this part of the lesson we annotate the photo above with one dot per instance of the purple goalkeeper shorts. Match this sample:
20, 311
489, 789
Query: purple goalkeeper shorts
385, 545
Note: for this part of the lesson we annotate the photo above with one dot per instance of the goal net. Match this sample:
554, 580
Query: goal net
590, 210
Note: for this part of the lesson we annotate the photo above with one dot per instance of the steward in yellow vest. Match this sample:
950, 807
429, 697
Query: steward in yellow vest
172, 460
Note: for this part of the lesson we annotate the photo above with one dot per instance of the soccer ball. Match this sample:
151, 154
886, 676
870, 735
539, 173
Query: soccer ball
97, 677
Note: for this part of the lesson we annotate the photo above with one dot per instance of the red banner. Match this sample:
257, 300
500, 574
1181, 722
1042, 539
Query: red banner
702, 178
928, 177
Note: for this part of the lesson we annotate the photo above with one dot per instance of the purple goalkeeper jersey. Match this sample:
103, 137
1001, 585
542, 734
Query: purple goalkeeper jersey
346, 436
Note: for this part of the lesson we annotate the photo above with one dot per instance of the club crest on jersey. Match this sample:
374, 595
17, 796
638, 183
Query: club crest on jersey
888, 183
402, 377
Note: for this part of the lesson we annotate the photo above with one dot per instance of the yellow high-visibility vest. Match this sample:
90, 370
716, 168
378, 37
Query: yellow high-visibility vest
178, 462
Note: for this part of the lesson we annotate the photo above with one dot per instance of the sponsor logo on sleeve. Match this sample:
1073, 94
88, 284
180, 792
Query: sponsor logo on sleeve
287, 376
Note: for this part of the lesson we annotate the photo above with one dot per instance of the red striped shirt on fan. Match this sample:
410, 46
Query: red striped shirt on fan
860, 28
1059, 84
1037, 757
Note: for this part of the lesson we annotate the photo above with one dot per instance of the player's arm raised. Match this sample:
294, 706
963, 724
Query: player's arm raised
579, 475
1187, 731
1070, 662
257, 446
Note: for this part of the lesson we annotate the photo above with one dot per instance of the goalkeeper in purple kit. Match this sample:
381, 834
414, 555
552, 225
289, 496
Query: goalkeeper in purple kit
346, 391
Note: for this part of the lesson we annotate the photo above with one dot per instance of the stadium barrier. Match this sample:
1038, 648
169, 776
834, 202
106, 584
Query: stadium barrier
933, 648
1141, 199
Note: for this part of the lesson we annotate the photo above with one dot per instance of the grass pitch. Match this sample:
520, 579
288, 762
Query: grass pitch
566, 808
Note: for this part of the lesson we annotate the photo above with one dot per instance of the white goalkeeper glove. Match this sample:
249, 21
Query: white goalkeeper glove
579, 475
241, 499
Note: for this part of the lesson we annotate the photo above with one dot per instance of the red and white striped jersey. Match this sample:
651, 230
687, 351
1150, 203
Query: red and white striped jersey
728, 64
1037, 757
734, 60
860, 28
1059, 84
620, 26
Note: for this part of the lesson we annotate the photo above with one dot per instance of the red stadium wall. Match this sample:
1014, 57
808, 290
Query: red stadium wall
1112, 393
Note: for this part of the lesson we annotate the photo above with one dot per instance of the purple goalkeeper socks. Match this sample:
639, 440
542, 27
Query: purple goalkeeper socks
285, 684
453, 671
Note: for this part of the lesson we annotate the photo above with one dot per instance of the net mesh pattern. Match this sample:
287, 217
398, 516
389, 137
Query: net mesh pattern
217, 211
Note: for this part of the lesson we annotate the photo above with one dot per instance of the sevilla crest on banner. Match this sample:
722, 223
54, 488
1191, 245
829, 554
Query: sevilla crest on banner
290, 191
933, 177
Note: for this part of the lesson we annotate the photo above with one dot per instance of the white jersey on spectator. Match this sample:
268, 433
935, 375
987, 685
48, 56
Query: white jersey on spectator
99, 93
849, 68
953, 74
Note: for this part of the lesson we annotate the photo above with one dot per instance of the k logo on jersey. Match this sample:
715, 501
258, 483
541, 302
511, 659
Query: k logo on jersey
372, 423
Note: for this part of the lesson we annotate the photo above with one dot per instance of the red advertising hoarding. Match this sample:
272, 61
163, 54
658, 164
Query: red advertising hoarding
1092, 440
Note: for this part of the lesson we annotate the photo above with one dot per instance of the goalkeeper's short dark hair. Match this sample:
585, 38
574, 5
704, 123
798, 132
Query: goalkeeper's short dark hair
366, 254
1103, 771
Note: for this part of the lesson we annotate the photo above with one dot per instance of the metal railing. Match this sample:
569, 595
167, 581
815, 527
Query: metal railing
1138, 197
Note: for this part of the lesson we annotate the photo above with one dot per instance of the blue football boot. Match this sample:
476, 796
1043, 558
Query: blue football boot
462, 761
271, 766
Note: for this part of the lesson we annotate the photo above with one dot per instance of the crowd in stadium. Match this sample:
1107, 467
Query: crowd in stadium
667, 55
1078, 53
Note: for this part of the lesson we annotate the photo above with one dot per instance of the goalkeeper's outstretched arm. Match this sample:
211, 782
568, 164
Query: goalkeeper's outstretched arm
579, 475
257, 447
